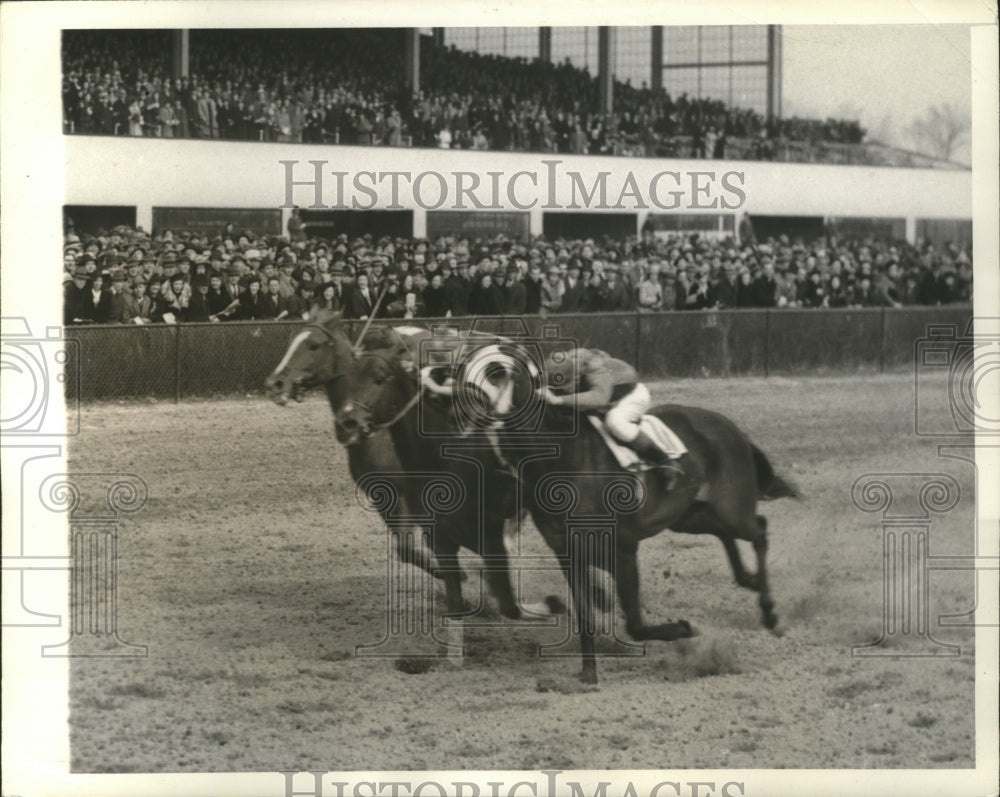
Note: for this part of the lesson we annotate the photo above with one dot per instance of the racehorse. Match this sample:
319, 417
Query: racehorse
734, 475
317, 356
397, 449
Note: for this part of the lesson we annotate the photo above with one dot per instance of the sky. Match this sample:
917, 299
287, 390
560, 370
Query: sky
883, 75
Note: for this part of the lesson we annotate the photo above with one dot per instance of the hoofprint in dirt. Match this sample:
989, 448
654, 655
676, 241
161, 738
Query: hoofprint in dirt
252, 574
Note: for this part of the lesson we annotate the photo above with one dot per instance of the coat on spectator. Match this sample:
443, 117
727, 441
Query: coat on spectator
615, 294
435, 300
574, 299
359, 303
455, 291
532, 295
486, 298
515, 297
75, 302
765, 290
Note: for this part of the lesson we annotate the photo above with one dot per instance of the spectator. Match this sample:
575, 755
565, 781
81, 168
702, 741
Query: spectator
272, 306
552, 291
176, 299
650, 292
251, 301
325, 299
199, 305
533, 289
614, 293
76, 302
486, 298
360, 302
435, 300
574, 297
138, 305
116, 297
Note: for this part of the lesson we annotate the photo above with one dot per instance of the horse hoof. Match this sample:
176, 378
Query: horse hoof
589, 677
688, 630
555, 604
770, 621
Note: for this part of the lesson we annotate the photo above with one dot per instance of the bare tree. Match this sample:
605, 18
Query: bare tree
941, 131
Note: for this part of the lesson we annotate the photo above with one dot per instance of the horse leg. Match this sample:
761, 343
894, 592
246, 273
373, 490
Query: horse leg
583, 602
409, 553
759, 541
447, 556
743, 578
702, 519
497, 569
627, 584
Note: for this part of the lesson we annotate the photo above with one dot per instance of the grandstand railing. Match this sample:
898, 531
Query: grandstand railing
207, 360
677, 147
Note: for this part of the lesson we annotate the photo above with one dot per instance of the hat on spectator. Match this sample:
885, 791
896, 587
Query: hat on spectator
232, 271
252, 254
199, 281
170, 257
80, 273
117, 275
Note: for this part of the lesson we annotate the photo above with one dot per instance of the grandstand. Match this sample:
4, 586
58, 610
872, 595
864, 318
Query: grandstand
657, 153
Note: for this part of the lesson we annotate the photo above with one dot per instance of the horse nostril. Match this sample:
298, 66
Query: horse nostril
349, 424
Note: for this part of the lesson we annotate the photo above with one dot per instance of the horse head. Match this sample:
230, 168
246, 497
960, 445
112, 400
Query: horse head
317, 355
377, 391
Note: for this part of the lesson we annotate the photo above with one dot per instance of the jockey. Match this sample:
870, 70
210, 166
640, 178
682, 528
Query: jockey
605, 383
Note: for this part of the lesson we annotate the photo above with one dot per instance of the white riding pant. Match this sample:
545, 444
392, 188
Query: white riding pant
622, 420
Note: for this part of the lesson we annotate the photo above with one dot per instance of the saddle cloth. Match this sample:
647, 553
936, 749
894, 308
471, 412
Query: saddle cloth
655, 429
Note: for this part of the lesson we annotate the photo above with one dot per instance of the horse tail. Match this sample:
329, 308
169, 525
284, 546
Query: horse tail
769, 484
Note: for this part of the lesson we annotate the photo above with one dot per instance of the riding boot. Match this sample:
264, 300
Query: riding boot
671, 469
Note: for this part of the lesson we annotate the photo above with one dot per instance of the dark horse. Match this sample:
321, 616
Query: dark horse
564, 453
397, 448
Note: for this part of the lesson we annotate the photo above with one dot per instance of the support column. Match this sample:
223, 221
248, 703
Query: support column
411, 59
773, 71
180, 53
545, 44
438, 34
605, 68
911, 229
656, 59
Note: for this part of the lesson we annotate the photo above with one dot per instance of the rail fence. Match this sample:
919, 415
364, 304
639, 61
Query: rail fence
205, 360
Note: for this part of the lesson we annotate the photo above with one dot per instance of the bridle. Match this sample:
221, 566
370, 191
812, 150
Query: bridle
409, 405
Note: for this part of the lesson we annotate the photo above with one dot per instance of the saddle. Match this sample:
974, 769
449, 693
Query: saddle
655, 429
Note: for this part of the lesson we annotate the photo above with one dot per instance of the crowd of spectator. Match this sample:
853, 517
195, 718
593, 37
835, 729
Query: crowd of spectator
347, 87
127, 276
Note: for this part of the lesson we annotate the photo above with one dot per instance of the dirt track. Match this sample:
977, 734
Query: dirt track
252, 574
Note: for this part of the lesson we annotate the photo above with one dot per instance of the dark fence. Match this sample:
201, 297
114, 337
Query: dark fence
226, 359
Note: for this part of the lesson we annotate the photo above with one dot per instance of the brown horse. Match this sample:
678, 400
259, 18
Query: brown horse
397, 449
568, 474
